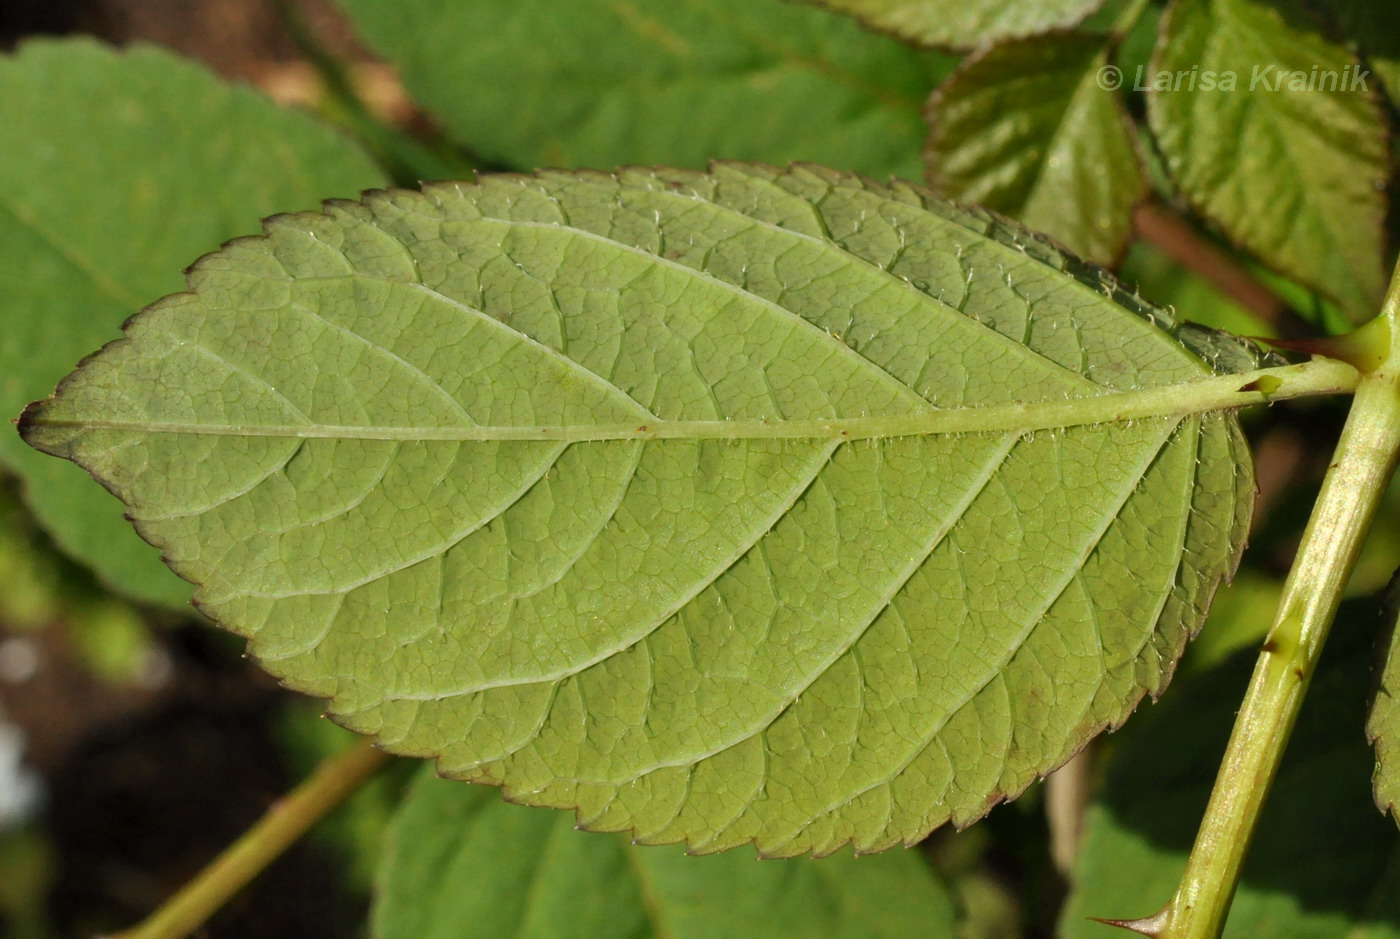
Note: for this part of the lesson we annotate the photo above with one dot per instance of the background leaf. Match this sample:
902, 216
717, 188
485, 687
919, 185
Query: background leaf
1025, 128
119, 167
1295, 176
963, 25
1322, 864
531, 83
460, 861
539, 476
1383, 726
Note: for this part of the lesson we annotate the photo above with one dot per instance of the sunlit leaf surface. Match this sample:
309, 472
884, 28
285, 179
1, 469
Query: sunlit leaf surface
756, 505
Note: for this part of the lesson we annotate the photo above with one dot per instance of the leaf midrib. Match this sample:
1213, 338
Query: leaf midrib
1217, 393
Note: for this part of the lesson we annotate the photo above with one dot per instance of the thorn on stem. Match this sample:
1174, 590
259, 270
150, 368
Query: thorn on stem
1147, 925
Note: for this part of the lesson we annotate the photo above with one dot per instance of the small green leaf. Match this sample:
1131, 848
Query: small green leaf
959, 24
118, 167
531, 83
1271, 134
755, 505
459, 862
1034, 128
1383, 727
1321, 865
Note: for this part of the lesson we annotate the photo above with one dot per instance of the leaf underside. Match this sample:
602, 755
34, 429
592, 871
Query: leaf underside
556, 479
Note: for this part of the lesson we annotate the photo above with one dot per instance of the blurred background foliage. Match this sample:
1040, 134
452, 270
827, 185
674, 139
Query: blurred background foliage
135, 741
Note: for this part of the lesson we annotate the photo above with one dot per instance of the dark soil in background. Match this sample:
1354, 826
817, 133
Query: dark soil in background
237, 38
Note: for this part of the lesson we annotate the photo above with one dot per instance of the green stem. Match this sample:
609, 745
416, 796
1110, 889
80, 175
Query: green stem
1127, 19
1361, 469
333, 781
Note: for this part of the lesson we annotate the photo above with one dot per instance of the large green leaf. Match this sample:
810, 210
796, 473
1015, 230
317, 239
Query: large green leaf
530, 83
752, 505
1322, 865
118, 167
460, 862
1028, 128
962, 24
1265, 130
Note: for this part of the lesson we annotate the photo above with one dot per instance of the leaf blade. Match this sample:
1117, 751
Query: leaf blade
665, 634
